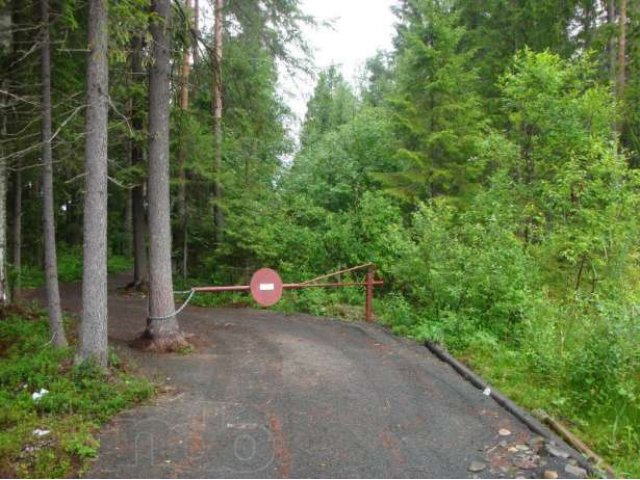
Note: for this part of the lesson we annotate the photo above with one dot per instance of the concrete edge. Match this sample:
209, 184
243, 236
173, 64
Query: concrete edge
525, 417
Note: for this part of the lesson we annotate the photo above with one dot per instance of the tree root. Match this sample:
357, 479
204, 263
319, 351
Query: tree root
140, 286
175, 342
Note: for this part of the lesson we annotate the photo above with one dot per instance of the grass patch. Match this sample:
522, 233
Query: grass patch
610, 427
219, 299
344, 303
80, 399
69, 268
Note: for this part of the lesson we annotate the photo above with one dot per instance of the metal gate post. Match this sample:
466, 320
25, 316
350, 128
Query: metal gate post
266, 287
368, 305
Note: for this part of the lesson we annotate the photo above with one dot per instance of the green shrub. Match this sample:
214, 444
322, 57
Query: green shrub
80, 398
69, 268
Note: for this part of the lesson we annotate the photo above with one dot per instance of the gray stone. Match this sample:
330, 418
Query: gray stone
527, 462
555, 451
536, 442
477, 466
575, 471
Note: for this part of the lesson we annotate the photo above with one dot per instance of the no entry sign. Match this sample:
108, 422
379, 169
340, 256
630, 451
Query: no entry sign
266, 287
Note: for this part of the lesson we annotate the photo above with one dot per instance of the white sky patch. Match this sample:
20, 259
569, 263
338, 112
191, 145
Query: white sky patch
359, 29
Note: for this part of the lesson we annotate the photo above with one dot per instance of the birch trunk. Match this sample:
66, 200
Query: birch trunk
163, 332
48, 215
93, 330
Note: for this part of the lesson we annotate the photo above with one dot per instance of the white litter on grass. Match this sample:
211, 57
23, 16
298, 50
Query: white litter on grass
38, 395
41, 433
487, 392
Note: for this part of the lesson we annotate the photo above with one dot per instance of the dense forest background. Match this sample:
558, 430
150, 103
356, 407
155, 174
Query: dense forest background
487, 165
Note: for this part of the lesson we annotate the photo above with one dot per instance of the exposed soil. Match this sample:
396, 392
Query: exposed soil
271, 395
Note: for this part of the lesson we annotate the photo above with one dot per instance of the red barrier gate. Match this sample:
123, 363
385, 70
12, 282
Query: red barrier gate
266, 287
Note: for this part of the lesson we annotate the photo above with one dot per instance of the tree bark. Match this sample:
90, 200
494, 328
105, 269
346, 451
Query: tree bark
93, 330
196, 29
163, 332
4, 292
183, 235
622, 49
127, 228
217, 121
8, 43
611, 46
17, 180
140, 270
48, 215
587, 23
17, 233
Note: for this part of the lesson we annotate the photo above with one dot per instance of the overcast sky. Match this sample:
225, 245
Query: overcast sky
360, 28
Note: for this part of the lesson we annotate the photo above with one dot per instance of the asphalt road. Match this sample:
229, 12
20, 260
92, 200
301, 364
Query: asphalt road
271, 395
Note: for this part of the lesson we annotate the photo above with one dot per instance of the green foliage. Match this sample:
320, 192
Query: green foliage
493, 192
496, 30
335, 170
70, 268
530, 275
80, 399
438, 111
468, 271
630, 120
332, 104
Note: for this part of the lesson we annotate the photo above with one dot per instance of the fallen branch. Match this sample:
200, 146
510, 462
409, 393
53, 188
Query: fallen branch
574, 441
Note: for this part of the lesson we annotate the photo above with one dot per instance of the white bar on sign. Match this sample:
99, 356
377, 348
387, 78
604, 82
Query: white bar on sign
267, 287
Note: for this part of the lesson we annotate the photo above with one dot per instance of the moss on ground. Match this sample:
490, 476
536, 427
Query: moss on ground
80, 399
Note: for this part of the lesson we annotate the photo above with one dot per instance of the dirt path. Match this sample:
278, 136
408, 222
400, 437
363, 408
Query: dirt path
271, 395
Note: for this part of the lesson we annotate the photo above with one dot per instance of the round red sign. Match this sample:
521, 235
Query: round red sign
266, 287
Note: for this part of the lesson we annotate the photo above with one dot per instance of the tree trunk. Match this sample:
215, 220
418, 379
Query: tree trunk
622, 61
127, 228
140, 266
4, 292
196, 29
48, 215
17, 233
17, 179
587, 23
7, 43
611, 45
163, 332
140, 270
182, 158
622, 49
93, 330
218, 216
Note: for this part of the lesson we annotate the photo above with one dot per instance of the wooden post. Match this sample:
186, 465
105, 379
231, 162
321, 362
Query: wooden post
368, 305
